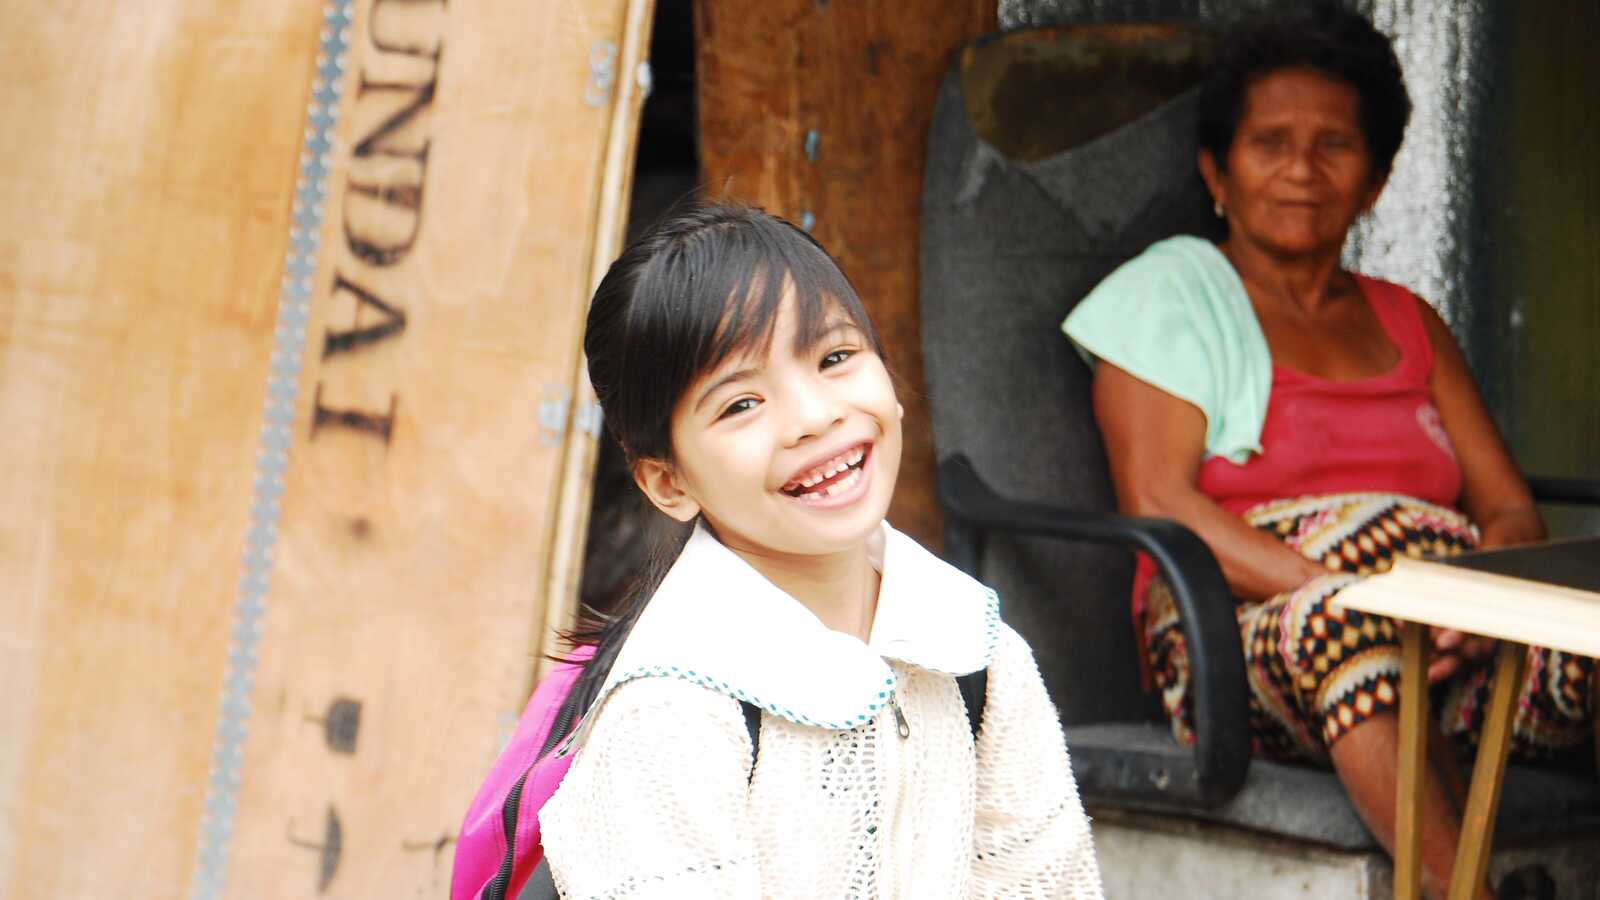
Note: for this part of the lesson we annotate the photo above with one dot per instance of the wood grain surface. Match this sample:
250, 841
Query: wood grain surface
153, 150
150, 161
861, 77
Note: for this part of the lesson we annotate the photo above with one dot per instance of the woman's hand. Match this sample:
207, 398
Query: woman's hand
1510, 527
1453, 650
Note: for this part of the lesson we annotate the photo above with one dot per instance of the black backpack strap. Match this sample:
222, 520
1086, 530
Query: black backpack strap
974, 687
752, 723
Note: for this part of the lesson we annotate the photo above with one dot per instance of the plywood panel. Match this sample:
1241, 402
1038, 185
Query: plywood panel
144, 225
421, 495
819, 112
149, 164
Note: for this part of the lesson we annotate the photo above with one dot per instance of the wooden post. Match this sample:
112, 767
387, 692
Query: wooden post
1477, 823
819, 112
1413, 760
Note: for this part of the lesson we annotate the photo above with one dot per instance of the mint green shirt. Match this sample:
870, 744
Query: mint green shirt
1177, 317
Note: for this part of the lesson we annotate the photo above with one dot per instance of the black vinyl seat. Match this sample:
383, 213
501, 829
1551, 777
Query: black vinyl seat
1055, 155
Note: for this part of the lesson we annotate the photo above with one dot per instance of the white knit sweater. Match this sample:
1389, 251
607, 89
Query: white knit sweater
661, 803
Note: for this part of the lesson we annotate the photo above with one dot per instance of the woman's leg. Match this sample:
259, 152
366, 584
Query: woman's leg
1364, 759
1343, 668
1442, 756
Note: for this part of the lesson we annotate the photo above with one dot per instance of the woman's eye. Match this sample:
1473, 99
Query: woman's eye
743, 404
836, 357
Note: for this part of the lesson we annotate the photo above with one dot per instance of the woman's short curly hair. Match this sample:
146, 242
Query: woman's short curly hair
1326, 37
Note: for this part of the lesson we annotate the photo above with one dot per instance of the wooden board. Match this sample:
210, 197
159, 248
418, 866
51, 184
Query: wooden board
144, 205
819, 112
406, 548
1513, 609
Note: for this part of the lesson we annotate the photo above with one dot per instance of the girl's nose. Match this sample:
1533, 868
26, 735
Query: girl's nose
813, 409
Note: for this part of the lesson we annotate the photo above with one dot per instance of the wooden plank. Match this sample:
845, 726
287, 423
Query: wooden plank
149, 169
410, 560
1488, 773
1413, 760
152, 159
565, 566
819, 112
1542, 615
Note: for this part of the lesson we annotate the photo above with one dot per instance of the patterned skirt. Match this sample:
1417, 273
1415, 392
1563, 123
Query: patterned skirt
1317, 669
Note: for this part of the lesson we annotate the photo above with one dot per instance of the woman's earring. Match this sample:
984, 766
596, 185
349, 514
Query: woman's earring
1216, 207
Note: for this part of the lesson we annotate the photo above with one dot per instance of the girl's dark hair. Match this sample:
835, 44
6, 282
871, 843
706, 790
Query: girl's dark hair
1326, 37
701, 286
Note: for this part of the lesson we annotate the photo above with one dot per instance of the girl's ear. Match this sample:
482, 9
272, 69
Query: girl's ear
660, 483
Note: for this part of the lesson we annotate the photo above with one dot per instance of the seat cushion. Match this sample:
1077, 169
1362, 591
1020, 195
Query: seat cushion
1133, 766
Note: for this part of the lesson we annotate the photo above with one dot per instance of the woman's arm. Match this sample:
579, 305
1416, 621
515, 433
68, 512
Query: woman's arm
1155, 442
1493, 491
656, 804
1030, 835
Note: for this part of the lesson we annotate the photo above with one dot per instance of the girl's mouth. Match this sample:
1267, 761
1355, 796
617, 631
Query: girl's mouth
831, 478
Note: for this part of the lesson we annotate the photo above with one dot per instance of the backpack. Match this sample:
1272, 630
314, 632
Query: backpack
499, 846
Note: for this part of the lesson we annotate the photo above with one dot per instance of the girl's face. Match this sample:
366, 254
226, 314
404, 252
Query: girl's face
785, 453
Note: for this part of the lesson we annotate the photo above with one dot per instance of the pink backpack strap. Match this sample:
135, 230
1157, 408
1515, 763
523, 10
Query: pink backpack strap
509, 799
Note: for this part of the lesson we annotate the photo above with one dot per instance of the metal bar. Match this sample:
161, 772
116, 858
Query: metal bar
272, 460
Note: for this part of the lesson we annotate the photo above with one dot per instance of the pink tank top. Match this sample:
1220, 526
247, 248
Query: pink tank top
1320, 436
1373, 434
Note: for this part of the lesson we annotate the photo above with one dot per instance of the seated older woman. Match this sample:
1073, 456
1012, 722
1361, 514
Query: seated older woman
1310, 423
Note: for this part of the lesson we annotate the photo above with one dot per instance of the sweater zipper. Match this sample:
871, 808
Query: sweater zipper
901, 725
896, 879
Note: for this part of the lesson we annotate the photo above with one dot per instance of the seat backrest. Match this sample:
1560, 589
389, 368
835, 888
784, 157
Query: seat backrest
1056, 155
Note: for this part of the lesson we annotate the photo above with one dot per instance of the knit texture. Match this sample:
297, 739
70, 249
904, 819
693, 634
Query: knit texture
661, 802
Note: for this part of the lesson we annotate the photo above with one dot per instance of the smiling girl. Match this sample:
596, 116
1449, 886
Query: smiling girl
740, 374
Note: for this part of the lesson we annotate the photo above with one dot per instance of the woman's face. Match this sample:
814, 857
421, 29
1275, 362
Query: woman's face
1299, 172
786, 453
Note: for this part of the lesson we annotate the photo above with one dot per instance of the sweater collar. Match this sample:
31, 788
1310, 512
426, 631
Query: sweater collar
719, 623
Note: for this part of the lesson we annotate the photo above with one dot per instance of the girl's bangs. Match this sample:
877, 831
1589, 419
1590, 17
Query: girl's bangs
749, 311
714, 295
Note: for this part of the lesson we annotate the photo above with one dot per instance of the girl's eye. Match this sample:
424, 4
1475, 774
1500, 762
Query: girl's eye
743, 404
836, 357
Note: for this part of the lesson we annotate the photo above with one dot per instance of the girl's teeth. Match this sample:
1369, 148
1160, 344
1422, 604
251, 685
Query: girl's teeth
843, 484
841, 463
